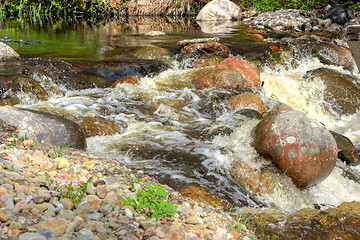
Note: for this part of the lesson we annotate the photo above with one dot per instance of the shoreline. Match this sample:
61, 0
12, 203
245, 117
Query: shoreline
28, 206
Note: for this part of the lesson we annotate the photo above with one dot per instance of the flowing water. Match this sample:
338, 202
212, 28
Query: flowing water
183, 136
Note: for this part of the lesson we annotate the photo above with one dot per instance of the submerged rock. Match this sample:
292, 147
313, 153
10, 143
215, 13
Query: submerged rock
43, 128
299, 146
219, 10
251, 76
113, 70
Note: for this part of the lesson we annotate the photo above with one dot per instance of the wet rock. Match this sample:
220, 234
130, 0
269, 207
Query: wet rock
44, 128
113, 70
251, 76
341, 93
212, 47
20, 83
280, 107
219, 10
333, 223
334, 54
126, 79
216, 78
347, 152
7, 53
152, 53
248, 100
299, 146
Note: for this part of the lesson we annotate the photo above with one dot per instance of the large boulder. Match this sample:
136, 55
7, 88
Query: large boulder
251, 76
7, 53
298, 145
216, 78
43, 128
219, 10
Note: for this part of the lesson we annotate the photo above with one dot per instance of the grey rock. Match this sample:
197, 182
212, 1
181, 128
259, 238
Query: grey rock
44, 128
46, 233
7, 53
31, 236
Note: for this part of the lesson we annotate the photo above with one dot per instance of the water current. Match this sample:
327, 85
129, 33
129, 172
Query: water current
180, 135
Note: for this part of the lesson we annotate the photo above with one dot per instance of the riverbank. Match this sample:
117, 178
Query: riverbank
32, 209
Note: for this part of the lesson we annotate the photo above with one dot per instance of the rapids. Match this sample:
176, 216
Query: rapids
183, 136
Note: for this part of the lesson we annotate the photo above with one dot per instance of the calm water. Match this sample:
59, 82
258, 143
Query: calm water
172, 128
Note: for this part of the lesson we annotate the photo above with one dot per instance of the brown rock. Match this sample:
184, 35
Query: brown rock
68, 205
333, 54
56, 226
151, 52
248, 100
126, 79
347, 152
216, 78
209, 47
251, 76
299, 146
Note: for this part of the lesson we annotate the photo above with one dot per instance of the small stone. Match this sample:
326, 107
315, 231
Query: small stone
106, 206
194, 220
3, 216
62, 163
31, 236
57, 226
147, 224
38, 199
46, 233
129, 213
28, 143
68, 205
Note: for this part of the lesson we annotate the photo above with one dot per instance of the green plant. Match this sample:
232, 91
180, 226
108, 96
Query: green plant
132, 183
57, 153
75, 194
152, 201
15, 139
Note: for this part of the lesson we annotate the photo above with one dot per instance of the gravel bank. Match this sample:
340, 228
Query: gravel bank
32, 210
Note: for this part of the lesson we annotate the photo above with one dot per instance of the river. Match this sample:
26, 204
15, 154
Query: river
182, 136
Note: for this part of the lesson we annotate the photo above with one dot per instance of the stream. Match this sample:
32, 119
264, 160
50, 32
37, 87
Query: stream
184, 137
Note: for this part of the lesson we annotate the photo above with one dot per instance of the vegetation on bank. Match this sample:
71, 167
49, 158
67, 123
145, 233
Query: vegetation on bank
101, 9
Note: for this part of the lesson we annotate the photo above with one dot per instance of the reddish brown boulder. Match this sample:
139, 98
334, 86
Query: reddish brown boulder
332, 54
248, 100
347, 152
217, 78
209, 47
251, 76
299, 146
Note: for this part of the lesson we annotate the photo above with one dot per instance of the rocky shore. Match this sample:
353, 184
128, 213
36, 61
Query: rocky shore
32, 209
